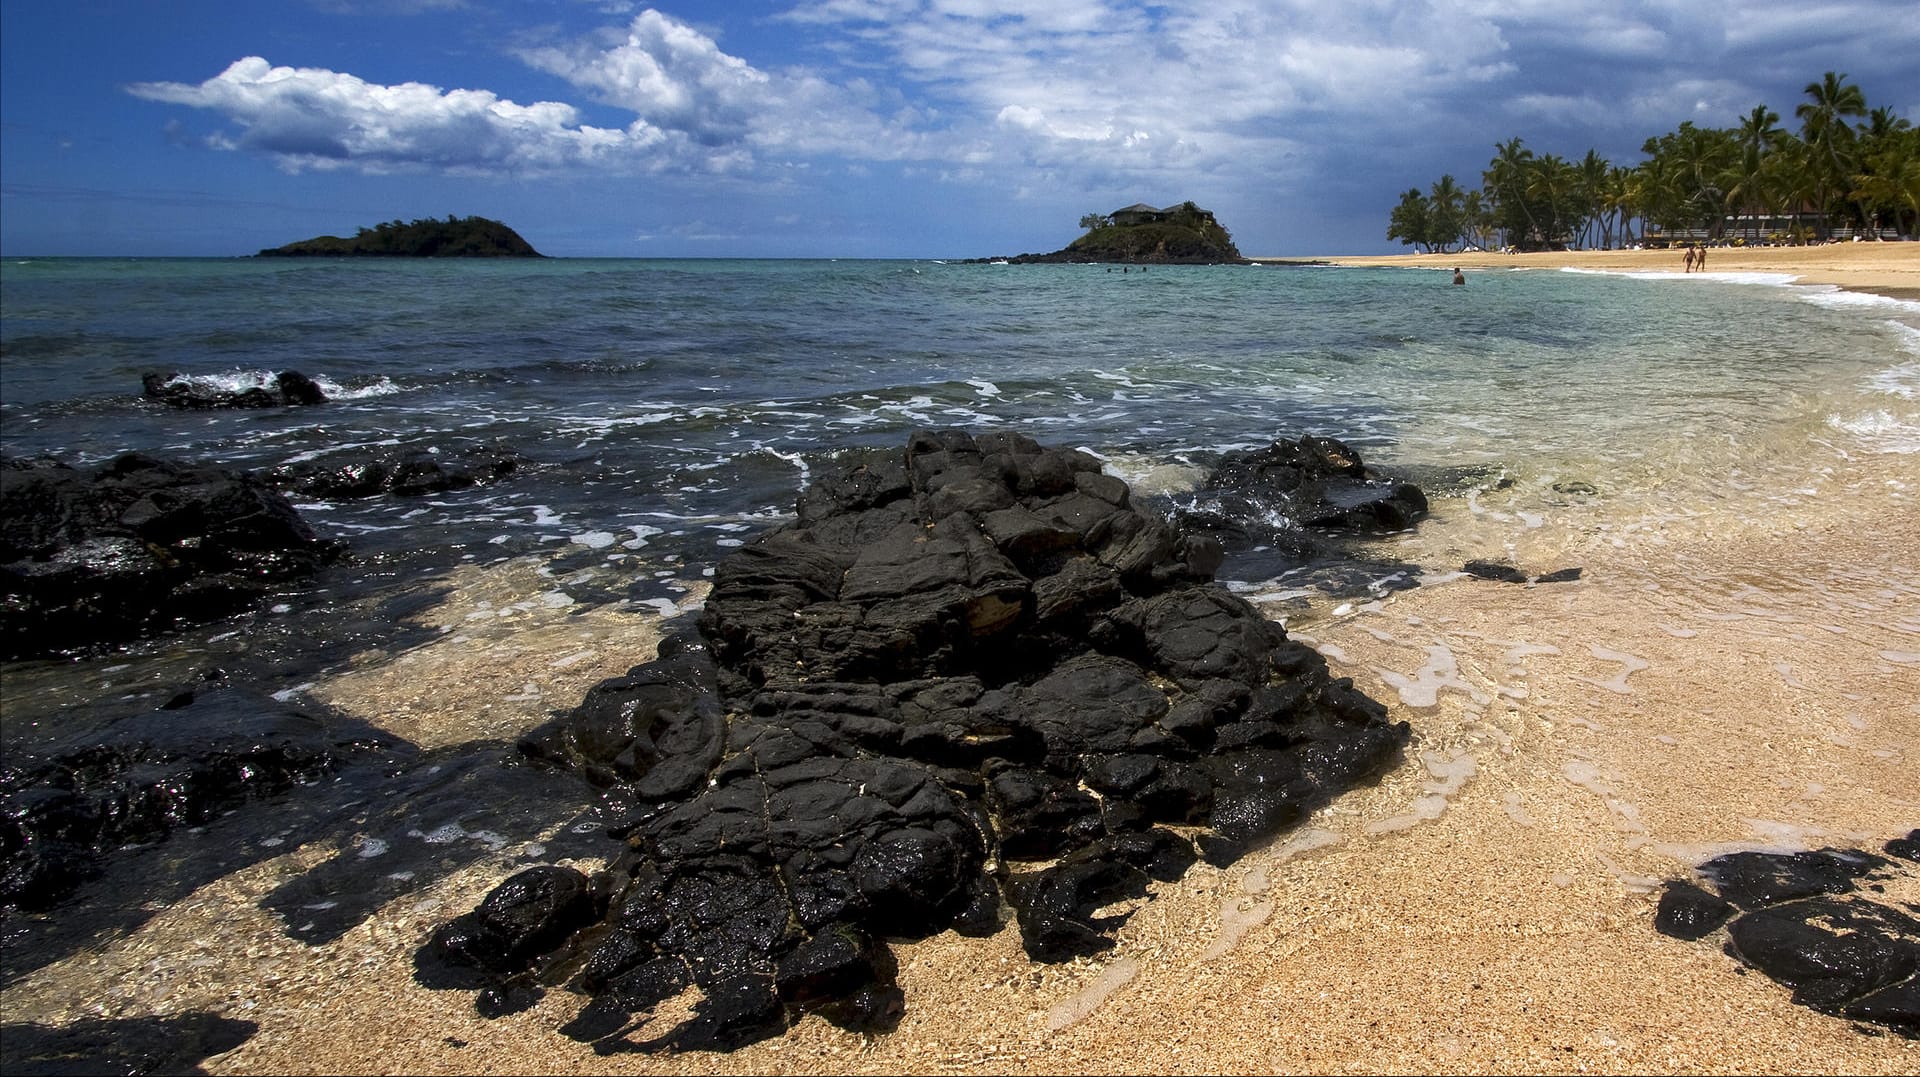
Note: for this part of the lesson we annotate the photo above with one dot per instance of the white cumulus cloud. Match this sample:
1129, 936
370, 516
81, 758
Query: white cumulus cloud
315, 118
674, 77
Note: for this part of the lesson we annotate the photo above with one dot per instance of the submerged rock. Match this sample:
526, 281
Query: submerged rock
969, 673
408, 472
1688, 912
209, 749
137, 546
1299, 503
136, 1045
1501, 572
1805, 920
1496, 571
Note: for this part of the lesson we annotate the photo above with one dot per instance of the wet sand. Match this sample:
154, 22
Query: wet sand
1891, 269
1742, 678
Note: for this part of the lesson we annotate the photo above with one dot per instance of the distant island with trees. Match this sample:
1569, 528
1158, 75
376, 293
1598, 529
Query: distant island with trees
1752, 183
1139, 234
454, 237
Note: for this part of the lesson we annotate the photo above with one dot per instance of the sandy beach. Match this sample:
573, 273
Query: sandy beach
1890, 269
1716, 679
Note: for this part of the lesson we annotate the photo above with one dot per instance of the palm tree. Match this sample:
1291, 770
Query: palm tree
1622, 201
1476, 217
1758, 137
1551, 184
1506, 180
1411, 222
1591, 191
1446, 223
1891, 180
1824, 128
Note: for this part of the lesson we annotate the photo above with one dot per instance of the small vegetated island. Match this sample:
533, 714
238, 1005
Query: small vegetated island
455, 237
1139, 234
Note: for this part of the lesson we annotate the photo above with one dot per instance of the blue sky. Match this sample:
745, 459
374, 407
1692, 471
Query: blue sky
852, 128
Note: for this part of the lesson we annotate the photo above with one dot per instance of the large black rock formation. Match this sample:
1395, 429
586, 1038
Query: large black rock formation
138, 545
968, 672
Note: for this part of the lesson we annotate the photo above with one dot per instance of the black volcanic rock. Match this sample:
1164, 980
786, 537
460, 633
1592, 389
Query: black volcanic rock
1321, 483
213, 747
1298, 502
1688, 912
1757, 880
133, 1045
1806, 921
1831, 951
138, 545
290, 387
959, 663
408, 472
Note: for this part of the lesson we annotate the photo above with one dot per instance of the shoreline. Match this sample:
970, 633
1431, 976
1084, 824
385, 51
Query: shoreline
1710, 685
1735, 671
1887, 269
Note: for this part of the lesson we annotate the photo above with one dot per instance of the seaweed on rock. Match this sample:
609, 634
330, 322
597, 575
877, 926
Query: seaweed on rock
969, 673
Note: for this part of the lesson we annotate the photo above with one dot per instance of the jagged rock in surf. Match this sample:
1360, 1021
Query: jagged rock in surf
1301, 503
178, 390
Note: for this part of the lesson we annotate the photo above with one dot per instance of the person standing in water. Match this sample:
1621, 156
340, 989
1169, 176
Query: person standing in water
1459, 277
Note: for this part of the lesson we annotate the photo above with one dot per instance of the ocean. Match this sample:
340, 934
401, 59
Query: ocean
667, 411
676, 406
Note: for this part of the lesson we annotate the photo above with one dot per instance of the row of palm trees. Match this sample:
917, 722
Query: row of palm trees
1753, 182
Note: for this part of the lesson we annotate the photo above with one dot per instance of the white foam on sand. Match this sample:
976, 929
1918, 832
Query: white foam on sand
1681, 274
1879, 431
1116, 975
1450, 772
1630, 664
1421, 689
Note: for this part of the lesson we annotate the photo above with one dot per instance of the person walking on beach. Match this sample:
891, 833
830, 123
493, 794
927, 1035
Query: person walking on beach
1689, 258
1700, 259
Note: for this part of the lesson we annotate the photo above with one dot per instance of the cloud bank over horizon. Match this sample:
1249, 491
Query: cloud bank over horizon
1277, 108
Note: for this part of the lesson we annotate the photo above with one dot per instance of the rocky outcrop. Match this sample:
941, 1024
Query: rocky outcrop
969, 674
289, 387
1812, 922
136, 546
1317, 482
